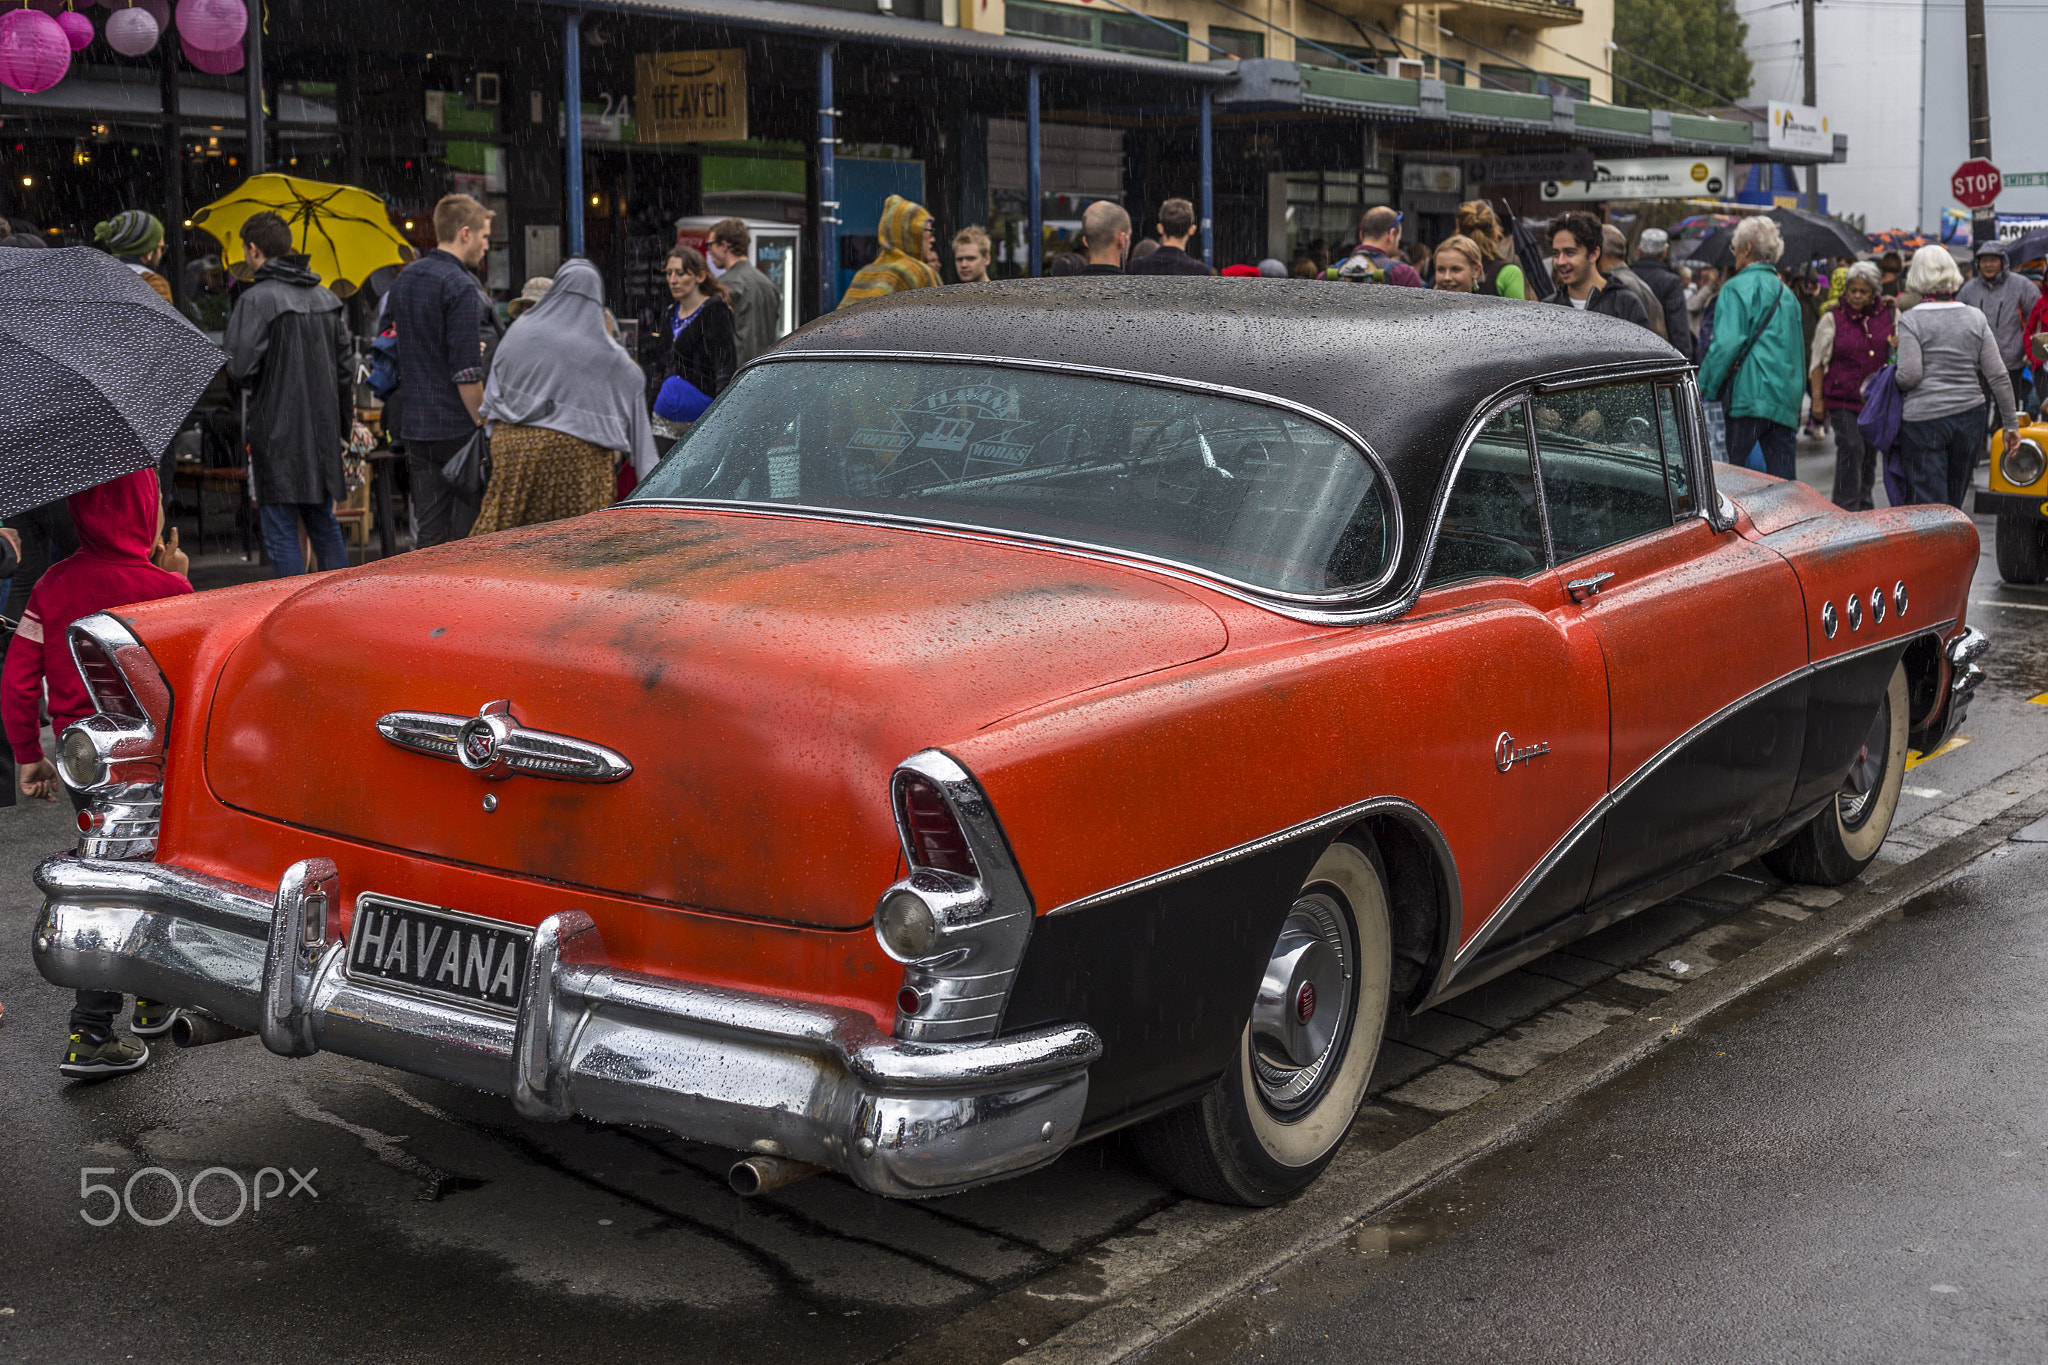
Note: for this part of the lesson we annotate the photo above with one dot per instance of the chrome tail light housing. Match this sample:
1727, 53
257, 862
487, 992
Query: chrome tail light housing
960, 920
115, 757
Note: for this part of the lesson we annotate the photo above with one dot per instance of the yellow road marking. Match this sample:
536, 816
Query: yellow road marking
1914, 758
2041, 700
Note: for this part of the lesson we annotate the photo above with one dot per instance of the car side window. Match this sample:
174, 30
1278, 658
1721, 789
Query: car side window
1492, 524
1685, 500
1603, 466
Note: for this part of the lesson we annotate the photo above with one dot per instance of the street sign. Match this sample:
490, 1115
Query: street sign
1976, 184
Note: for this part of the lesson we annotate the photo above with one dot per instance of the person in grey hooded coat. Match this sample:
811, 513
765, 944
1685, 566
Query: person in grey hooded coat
288, 347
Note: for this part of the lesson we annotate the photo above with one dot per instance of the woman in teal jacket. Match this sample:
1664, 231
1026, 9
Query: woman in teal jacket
1763, 402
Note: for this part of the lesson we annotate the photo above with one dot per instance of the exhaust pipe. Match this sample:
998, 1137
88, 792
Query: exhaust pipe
760, 1174
195, 1028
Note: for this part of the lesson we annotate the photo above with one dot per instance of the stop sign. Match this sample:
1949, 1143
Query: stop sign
1976, 183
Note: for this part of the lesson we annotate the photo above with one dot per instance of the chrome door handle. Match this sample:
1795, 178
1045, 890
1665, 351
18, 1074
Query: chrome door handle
1582, 589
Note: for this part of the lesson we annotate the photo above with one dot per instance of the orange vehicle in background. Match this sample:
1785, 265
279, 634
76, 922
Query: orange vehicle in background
1014, 715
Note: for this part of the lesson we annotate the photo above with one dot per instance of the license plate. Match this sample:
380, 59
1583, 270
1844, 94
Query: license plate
436, 952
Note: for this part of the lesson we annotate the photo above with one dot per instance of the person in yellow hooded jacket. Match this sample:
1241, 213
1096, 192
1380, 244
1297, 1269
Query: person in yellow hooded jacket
906, 233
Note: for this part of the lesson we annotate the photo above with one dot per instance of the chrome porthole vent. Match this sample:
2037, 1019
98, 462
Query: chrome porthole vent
1828, 623
1899, 597
1877, 606
1302, 1014
1854, 611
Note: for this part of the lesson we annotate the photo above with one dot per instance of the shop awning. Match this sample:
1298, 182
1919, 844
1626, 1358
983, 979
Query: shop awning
853, 26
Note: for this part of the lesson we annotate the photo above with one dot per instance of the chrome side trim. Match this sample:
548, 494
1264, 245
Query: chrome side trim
493, 745
1456, 961
1413, 813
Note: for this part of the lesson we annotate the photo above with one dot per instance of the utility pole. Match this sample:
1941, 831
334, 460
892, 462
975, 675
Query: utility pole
1984, 223
1812, 96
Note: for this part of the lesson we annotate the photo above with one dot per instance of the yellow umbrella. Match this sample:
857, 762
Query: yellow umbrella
345, 232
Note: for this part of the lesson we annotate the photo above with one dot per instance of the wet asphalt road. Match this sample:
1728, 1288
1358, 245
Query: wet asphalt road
1852, 1166
445, 1224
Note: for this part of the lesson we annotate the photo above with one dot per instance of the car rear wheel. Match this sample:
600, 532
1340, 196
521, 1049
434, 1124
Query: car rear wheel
1839, 843
1279, 1113
2022, 549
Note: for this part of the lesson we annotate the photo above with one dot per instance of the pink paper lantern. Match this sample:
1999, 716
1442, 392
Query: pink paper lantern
34, 54
132, 32
212, 25
77, 29
214, 63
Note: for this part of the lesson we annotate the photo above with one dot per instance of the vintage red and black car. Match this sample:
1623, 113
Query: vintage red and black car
1017, 713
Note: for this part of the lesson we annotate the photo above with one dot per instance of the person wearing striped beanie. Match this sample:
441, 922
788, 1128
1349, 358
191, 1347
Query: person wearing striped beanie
136, 239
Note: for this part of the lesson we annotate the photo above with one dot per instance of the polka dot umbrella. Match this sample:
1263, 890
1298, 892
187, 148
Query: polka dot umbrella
99, 373
345, 232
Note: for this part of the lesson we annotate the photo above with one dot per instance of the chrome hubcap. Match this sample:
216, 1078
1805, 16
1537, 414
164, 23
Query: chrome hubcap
1304, 1004
1866, 773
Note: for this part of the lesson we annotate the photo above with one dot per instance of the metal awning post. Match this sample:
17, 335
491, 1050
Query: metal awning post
572, 129
252, 87
1207, 208
1034, 244
828, 194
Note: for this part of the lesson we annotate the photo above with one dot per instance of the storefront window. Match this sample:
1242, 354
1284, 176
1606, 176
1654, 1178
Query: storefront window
1238, 42
1068, 24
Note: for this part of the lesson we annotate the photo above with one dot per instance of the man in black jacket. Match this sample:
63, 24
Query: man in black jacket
1653, 269
288, 346
1575, 262
1176, 224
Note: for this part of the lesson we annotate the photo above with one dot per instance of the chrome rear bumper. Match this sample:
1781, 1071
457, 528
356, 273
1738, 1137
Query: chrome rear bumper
754, 1073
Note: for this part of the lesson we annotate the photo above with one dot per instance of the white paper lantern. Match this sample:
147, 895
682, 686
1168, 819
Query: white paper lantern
132, 32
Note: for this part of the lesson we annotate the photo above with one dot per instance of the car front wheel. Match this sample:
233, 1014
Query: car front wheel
1837, 844
1281, 1110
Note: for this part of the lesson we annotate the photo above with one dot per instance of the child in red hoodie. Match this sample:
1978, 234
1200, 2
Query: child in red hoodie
120, 559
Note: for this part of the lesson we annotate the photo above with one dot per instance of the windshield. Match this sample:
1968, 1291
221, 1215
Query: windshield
1236, 488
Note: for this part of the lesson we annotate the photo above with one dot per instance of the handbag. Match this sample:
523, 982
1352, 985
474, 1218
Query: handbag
468, 470
680, 400
1883, 409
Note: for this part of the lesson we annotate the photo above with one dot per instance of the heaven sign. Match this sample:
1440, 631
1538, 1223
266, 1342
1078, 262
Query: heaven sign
691, 96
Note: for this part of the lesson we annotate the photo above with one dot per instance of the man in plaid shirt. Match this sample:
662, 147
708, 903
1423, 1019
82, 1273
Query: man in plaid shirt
439, 311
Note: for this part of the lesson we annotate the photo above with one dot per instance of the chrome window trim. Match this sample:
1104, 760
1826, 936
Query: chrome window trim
1342, 815
1464, 955
1390, 494
1521, 391
1442, 504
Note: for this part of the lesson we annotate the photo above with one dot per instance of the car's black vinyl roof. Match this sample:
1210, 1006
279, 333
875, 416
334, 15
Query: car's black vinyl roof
1404, 368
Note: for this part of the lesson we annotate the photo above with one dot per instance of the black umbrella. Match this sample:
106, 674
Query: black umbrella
2032, 247
97, 372
1808, 237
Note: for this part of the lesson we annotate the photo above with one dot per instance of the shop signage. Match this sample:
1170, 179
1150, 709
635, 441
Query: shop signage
1425, 178
691, 96
1648, 177
1800, 128
1530, 169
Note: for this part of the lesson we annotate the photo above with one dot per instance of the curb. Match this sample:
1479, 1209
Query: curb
1356, 1188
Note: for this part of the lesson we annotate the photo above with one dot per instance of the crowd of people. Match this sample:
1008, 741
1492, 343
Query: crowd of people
1778, 344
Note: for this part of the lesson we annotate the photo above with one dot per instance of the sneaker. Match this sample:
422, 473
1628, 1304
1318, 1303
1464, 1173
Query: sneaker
85, 1059
150, 1019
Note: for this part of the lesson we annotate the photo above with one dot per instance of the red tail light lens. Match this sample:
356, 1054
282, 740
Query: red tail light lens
935, 837
103, 678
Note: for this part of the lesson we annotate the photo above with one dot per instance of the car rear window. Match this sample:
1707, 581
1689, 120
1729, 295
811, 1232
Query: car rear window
1251, 493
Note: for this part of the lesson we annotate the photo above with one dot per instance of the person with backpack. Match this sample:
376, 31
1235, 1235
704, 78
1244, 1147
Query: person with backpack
1755, 363
1377, 257
1949, 358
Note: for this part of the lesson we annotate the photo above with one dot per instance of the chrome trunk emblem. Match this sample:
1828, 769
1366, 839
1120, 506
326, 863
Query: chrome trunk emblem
493, 745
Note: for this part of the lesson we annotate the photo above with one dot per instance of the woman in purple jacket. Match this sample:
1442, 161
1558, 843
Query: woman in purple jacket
1853, 342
